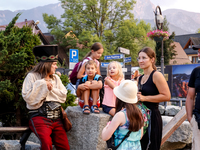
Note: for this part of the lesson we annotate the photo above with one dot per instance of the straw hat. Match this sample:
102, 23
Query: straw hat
127, 92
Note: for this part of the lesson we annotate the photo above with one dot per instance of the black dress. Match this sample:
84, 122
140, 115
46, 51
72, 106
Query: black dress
149, 88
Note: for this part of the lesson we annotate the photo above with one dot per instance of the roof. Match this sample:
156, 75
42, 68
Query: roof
30, 23
190, 51
195, 40
183, 39
181, 57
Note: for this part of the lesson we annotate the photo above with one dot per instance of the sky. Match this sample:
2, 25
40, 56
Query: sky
189, 5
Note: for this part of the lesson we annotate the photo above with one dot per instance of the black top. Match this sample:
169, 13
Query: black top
149, 88
194, 82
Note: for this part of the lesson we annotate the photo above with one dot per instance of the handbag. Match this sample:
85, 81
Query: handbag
111, 143
66, 123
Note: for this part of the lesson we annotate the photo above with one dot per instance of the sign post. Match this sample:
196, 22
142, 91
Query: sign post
118, 56
125, 60
73, 58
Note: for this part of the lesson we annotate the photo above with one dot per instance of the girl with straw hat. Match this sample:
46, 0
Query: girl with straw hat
128, 117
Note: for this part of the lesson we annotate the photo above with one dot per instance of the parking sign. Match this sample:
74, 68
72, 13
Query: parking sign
73, 55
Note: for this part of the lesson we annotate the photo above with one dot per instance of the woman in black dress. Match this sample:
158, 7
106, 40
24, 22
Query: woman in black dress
153, 89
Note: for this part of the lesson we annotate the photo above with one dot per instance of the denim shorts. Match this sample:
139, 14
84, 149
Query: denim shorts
106, 109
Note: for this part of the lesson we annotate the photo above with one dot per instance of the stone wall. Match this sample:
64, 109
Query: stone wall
86, 132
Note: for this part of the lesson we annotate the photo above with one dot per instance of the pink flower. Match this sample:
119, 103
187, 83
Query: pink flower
158, 33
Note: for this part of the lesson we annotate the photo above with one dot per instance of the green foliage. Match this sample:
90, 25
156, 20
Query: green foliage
198, 30
168, 46
70, 97
16, 58
110, 22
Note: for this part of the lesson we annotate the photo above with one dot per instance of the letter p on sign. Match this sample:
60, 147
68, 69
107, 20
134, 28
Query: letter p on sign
73, 55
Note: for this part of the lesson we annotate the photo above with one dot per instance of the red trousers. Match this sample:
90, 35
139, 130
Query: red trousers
48, 130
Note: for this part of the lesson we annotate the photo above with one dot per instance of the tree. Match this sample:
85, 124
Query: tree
105, 21
16, 58
198, 30
168, 46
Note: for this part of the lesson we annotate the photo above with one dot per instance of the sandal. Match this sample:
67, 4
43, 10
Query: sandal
94, 109
84, 109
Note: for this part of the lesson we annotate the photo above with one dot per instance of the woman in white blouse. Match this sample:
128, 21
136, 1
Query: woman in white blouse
43, 92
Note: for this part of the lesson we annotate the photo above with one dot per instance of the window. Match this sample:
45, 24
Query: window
194, 59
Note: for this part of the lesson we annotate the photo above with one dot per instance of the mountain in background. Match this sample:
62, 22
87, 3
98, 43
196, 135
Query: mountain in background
180, 21
33, 14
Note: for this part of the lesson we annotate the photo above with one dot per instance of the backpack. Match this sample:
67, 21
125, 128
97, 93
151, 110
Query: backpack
73, 75
146, 112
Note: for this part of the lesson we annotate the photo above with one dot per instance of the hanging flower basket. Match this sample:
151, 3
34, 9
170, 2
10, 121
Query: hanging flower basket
158, 35
158, 39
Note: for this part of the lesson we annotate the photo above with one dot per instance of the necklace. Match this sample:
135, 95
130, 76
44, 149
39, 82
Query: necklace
144, 79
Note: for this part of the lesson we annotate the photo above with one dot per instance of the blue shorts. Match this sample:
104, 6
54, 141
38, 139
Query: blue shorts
106, 109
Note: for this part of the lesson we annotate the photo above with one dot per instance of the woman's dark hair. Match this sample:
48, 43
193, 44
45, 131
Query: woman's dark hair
95, 47
134, 114
43, 68
151, 54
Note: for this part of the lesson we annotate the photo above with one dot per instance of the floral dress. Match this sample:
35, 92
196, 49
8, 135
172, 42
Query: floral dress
130, 143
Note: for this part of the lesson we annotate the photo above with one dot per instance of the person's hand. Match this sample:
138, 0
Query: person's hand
83, 87
94, 81
107, 79
49, 85
140, 97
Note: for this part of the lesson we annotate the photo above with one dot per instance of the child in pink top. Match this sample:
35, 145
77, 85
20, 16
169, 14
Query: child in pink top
114, 77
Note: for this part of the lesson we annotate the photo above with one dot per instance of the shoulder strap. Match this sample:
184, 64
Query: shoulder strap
97, 77
126, 136
125, 115
84, 79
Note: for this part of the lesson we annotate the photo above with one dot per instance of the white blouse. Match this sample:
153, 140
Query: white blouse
35, 91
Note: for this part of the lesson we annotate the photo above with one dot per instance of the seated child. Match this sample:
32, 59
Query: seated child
88, 89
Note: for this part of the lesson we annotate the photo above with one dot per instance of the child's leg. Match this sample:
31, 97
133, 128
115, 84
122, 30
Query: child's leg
95, 97
112, 111
85, 96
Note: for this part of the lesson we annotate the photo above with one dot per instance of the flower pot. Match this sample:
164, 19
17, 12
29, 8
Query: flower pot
158, 38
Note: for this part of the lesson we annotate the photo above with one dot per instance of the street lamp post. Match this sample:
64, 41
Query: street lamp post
159, 24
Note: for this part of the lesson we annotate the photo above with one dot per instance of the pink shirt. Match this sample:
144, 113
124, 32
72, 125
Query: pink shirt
109, 98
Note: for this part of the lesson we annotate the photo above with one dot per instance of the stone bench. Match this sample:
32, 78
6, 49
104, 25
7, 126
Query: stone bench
86, 129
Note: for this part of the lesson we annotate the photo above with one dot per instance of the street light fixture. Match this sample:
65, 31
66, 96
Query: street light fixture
159, 24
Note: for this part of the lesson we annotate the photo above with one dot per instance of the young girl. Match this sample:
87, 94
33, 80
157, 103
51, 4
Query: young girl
127, 118
94, 54
114, 77
88, 88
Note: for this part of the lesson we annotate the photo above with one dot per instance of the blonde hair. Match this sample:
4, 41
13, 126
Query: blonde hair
119, 67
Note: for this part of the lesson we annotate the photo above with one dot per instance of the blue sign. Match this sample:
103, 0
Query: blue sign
116, 56
105, 64
127, 59
73, 55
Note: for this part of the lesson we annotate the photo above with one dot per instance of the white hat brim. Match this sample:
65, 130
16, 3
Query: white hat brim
118, 94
